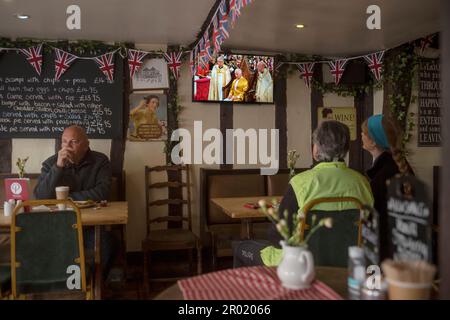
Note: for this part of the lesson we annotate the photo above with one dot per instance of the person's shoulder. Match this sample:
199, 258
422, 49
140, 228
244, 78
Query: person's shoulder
50, 160
99, 156
300, 178
356, 174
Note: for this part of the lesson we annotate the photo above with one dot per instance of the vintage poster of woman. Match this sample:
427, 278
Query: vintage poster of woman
148, 117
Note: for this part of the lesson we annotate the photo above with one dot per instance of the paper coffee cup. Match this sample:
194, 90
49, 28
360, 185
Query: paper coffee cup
62, 193
7, 209
399, 290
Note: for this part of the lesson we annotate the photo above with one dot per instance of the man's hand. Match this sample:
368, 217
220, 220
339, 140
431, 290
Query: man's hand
65, 156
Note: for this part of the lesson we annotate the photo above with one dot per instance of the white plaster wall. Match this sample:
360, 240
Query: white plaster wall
38, 150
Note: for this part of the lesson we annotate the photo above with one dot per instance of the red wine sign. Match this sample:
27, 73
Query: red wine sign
17, 188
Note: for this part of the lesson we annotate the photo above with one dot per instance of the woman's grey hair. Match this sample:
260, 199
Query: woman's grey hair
332, 139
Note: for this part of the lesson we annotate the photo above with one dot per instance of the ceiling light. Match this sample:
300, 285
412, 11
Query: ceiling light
22, 16
300, 26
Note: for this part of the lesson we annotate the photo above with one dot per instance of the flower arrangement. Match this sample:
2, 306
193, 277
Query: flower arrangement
293, 156
294, 236
20, 163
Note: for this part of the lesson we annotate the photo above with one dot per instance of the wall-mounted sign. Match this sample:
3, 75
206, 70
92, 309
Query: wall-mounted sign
346, 115
429, 125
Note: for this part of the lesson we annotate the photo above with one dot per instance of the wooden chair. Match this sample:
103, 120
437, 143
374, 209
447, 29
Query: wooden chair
330, 246
176, 236
47, 252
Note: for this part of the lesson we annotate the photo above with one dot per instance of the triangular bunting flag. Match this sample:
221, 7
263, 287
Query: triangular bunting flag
337, 69
192, 62
426, 42
106, 64
223, 20
306, 72
63, 61
375, 63
216, 36
34, 57
135, 58
174, 62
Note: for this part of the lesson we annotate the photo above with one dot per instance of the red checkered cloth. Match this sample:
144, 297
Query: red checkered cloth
249, 283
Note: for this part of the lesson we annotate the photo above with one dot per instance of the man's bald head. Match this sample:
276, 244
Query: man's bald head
75, 139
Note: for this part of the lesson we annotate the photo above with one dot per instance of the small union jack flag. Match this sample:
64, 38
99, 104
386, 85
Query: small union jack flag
217, 36
63, 61
135, 58
192, 62
174, 62
202, 59
235, 10
375, 63
106, 64
306, 72
337, 69
426, 42
34, 57
207, 43
223, 20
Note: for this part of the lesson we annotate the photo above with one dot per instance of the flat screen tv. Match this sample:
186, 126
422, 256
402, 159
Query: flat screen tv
236, 78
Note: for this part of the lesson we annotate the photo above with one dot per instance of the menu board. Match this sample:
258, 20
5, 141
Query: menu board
409, 220
370, 234
429, 125
33, 106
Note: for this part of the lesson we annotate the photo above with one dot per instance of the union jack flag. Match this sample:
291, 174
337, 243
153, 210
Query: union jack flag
174, 62
135, 58
306, 72
202, 59
375, 62
217, 36
337, 69
235, 10
426, 42
106, 64
207, 43
223, 20
246, 3
192, 62
34, 57
62, 62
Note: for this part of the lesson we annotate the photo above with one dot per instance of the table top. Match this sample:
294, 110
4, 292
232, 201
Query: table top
234, 206
335, 278
114, 213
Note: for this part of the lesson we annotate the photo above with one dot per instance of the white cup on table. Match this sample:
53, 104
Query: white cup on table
62, 193
7, 208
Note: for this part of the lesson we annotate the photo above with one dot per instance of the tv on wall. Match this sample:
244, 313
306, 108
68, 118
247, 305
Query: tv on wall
237, 78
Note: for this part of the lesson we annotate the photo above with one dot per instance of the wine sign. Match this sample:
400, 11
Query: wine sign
429, 104
409, 220
370, 231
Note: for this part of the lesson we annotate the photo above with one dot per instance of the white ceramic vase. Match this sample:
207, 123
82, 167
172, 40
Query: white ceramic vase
296, 270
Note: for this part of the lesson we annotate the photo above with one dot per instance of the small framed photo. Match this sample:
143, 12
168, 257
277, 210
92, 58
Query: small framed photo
153, 74
148, 116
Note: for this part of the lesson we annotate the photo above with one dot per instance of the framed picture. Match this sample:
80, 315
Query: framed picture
148, 117
153, 74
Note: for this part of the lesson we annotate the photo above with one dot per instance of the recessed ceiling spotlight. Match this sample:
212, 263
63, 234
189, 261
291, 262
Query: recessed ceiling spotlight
300, 26
22, 16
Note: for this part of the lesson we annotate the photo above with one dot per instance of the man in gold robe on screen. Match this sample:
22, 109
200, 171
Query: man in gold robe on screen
238, 88
220, 77
264, 85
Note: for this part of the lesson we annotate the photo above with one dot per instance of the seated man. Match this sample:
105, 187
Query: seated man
88, 175
238, 88
329, 178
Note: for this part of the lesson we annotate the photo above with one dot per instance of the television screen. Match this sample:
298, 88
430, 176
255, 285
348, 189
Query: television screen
236, 78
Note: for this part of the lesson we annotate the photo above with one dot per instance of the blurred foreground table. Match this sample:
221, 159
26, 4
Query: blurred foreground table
335, 278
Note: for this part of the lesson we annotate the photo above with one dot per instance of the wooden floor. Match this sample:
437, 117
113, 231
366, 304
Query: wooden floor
165, 266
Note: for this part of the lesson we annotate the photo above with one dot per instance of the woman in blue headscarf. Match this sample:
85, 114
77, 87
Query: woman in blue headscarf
380, 138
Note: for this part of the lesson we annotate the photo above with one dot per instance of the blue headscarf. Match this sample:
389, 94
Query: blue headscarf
376, 131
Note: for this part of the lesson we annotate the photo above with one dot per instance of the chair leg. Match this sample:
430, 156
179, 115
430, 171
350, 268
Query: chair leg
191, 258
146, 274
213, 248
199, 259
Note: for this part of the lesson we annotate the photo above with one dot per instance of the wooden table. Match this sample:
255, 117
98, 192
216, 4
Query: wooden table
335, 278
114, 213
234, 208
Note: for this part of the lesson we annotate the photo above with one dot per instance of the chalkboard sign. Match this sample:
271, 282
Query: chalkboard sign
429, 104
33, 106
370, 234
409, 220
